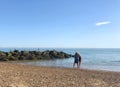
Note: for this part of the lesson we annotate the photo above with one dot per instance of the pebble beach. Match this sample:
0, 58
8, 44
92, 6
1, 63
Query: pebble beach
16, 75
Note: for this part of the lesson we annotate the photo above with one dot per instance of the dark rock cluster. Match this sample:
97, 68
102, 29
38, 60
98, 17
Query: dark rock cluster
32, 55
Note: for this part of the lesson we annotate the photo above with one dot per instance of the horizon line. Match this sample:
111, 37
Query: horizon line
67, 47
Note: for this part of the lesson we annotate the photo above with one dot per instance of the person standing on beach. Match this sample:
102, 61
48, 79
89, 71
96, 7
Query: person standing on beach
76, 60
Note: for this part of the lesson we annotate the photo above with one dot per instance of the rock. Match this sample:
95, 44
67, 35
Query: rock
32, 55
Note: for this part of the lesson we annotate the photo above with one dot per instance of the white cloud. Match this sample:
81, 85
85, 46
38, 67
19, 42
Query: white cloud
102, 23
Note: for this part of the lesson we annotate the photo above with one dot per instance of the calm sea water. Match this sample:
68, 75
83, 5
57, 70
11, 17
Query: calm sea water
98, 59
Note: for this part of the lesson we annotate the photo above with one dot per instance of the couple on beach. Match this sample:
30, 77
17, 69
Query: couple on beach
77, 60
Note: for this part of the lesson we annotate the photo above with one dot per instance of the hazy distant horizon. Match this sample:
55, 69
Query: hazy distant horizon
63, 47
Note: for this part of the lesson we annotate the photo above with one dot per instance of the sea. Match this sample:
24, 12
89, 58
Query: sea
107, 59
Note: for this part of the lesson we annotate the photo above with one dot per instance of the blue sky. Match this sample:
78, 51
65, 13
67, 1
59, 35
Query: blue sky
60, 23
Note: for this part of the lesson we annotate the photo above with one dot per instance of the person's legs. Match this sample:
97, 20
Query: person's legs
73, 65
78, 64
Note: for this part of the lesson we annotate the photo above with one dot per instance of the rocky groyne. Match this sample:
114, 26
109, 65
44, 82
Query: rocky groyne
32, 55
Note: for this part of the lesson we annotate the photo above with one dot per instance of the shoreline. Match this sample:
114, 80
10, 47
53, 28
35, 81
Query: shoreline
21, 63
17, 75
24, 61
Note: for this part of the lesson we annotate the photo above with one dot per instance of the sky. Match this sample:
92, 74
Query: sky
60, 23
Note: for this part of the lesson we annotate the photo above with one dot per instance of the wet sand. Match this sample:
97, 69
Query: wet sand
16, 75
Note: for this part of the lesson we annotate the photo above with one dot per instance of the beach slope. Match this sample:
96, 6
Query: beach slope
15, 75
